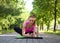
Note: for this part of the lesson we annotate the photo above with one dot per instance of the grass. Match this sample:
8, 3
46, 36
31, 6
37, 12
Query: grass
51, 32
6, 31
0, 33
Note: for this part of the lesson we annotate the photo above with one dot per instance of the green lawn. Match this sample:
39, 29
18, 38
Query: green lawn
6, 31
51, 32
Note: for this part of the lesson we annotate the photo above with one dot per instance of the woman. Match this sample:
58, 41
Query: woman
29, 28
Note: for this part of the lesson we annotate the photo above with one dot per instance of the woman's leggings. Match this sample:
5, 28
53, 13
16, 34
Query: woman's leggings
18, 30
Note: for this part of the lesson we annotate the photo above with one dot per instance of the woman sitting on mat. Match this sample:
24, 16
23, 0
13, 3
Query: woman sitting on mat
29, 28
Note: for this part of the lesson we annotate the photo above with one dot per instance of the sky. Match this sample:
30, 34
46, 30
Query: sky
28, 5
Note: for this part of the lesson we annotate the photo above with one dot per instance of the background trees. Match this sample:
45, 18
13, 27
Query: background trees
13, 12
10, 11
46, 11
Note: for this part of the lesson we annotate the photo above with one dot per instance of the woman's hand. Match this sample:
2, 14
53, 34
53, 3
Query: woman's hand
27, 35
35, 34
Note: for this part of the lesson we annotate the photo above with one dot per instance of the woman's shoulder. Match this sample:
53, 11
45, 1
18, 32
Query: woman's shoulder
35, 25
25, 22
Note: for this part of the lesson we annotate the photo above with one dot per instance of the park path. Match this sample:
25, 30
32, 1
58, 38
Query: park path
47, 38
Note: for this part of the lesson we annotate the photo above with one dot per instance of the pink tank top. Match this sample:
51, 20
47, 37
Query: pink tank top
29, 29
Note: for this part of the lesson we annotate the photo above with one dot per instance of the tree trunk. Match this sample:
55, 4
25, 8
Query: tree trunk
42, 25
55, 15
48, 25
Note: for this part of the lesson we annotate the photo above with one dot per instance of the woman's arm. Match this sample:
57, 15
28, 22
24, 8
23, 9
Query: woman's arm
36, 31
23, 30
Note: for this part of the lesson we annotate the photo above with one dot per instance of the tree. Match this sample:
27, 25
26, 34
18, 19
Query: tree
9, 12
43, 10
55, 12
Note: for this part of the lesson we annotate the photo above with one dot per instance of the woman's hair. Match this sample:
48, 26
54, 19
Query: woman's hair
33, 16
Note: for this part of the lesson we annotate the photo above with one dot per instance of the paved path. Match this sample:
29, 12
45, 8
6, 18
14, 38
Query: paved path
47, 38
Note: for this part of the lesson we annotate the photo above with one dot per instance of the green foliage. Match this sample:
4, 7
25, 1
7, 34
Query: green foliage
10, 11
11, 7
45, 9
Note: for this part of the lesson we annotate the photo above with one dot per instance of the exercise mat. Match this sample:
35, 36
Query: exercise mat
23, 37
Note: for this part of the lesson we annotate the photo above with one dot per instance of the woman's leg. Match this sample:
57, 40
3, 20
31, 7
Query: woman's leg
18, 30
